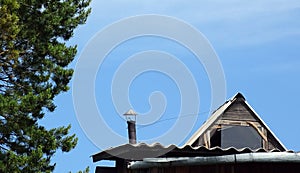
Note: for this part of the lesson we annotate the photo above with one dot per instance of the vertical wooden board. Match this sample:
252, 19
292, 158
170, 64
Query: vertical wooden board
239, 111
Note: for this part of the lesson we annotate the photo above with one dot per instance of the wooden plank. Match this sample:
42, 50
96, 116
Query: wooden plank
265, 143
208, 137
257, 129
205, 141
232, 122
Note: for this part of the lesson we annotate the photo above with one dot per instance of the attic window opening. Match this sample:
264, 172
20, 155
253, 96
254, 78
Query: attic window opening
236, 136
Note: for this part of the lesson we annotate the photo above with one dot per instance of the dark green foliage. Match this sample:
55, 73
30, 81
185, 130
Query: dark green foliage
34, 69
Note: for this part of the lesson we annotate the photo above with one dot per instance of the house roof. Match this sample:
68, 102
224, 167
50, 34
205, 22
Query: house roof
143, 150
220, 111
140, 151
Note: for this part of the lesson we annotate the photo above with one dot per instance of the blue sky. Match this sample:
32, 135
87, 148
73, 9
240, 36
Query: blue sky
256, 42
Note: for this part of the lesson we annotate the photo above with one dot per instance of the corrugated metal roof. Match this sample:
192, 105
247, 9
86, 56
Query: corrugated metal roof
142, 150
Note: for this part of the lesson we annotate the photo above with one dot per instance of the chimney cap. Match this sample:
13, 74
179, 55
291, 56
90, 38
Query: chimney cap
130, 115
130, 112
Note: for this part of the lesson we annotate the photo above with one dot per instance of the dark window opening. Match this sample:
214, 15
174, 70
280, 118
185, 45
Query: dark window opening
215, 140
236, 136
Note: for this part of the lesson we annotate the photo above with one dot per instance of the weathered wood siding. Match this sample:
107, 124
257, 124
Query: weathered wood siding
239, 111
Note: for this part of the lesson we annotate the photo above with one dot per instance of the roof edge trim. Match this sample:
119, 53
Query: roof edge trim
280, 157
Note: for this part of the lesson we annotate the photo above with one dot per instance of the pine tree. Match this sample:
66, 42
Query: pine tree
34, 61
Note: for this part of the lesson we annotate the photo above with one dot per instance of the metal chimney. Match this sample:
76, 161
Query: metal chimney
131, 119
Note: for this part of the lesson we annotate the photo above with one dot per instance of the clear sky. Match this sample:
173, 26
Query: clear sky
258, 46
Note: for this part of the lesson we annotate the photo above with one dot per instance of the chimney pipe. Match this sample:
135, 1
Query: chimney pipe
131, 119
131, 132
